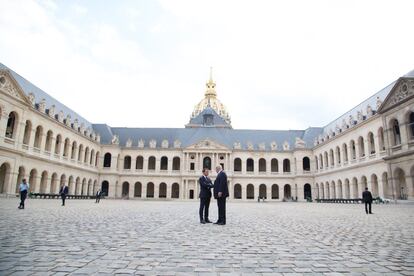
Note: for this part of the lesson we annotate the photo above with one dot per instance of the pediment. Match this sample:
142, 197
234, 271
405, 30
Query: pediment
207, 144
402, 91
10, 86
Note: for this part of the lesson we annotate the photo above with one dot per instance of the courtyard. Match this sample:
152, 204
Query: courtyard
165, 238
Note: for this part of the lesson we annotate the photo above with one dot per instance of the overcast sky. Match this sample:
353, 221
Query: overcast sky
277, 64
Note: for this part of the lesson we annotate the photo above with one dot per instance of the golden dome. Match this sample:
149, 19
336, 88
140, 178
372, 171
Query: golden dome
210, 100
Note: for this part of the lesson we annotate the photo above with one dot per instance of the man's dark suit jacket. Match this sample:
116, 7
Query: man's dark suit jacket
205, 187
367, 196
220, 185
64, 190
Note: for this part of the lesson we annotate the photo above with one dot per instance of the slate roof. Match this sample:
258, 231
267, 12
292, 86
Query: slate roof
199, 119
28, 87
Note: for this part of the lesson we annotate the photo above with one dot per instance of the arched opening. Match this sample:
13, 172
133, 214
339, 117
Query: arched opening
175, 190
125, 190
361, 145
74, 149
4, 177
287, 192
84, 190
164, 163
274, 165
48, 144
307, 191
27, 132
321, 165
275, 191
105, 188
332, 190
400, 184
92, 158
326, 162
127, 162
381, 139
43, 182
353, 149
411, 125
306, 164
354, 188
140, 163
250, 165
374, 185
263, 191
33, 180
80, 152
151, 163
362, 186
38, 137
339, 189
86, 156
286, 165
237, 191
250, 191
345, 151
371, 143
78, 186
66, 148
150, 190
322, 190
163, 190
138, 189
62, 181
331, 157
11, 125
97, 159
176, 163
237, 165
396, 134
207, 163
338, 155
262, 165
347, 189
71, 185
20, 177
107, 160
58, 144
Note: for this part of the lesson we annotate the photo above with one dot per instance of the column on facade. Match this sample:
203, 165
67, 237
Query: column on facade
243, 191
131, 191
409, 180
377, 142
269, 192
197, 162
256, 167
144, 189
4, 117
185, 166
32, 137
156, 190
157, 165
12, 182
229, 164
169, 189
133, 163
145, 165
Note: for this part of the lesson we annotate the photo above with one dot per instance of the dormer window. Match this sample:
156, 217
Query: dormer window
208, 119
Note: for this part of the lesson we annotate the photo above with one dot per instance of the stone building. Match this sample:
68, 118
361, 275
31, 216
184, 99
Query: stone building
48, 143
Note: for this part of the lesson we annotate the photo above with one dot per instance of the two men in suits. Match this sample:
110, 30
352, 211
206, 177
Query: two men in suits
367, 198
205, 196
64, 190
221, 192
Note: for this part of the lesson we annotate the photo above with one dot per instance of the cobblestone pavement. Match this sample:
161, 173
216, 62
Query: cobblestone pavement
165, 238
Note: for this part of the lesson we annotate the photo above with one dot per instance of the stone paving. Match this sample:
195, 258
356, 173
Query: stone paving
165, 238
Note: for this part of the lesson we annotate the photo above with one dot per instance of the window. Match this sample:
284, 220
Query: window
11, 125
274, 165
361, 144
396, 132
306, 163
48, 144
176, 164
237, 165
127, 162
38, 137
151, 163
164, 163
192, 166
371, 143
286, 165
250, 165
27, 132
353, 150
262, 165
207, 163
411, 125
140, 163
381, 139
107, 160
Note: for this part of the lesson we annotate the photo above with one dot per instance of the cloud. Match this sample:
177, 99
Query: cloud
277, 66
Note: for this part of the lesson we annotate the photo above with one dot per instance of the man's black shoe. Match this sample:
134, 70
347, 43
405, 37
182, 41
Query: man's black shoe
202, 222
207, 221
220, 223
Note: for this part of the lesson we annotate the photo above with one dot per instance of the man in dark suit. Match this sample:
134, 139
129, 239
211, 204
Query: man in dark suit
221, 191
205, 196
64, 190
367, 198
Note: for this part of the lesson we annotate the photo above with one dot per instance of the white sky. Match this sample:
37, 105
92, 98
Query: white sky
277, 64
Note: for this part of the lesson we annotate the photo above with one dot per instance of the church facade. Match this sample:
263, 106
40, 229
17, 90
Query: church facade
48, 143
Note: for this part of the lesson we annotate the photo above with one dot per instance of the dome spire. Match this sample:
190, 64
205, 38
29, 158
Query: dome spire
211, 86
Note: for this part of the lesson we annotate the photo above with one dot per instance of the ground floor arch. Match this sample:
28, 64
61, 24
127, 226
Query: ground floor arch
237, 191
262, 191
307, 191
150, 190
105, 188
275, 191
287, 191
175, 190
162, 190
125, 189
250, 191
138, 189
